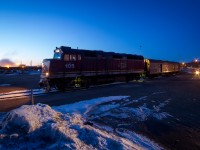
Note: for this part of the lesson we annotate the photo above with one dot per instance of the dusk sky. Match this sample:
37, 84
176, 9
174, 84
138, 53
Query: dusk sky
158, 29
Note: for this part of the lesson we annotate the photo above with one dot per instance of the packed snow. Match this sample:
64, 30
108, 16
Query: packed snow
68, 127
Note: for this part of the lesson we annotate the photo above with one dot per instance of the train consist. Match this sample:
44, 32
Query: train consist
82, 68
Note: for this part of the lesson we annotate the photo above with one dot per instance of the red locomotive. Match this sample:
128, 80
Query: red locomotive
77, 67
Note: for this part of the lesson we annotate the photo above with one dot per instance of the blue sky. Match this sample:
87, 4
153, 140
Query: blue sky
158, 29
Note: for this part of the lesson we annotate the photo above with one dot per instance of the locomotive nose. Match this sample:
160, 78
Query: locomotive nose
45, 67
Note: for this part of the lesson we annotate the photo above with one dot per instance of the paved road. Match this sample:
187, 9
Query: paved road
181, 93
15, 82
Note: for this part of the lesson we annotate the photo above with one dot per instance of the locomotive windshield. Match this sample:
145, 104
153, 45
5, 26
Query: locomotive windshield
57, 54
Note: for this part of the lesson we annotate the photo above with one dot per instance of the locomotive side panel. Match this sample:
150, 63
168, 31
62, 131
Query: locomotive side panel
89, 66
123, 66
56, 69
130, 66
73, 63
116, 66
101, 66
138, 66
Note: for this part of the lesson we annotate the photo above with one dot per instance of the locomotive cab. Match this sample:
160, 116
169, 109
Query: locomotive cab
61, 70
45, 80
58, 54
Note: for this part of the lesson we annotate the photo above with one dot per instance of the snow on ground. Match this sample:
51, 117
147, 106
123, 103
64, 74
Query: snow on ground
84, 106
67, 127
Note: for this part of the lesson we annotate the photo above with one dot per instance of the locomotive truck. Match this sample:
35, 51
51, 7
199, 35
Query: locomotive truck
81, 68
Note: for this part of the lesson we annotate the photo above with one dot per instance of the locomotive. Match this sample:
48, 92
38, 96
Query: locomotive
81, 68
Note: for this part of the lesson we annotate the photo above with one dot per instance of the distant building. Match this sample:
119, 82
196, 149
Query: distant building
22, 66
194, 64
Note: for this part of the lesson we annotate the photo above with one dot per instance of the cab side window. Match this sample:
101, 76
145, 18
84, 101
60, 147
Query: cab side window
66, 57
79, 57
72, 57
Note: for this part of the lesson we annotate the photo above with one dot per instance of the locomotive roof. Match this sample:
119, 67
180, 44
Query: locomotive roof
162, 61
95, 53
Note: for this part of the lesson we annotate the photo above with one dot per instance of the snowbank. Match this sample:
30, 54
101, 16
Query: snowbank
66, 127
84, 106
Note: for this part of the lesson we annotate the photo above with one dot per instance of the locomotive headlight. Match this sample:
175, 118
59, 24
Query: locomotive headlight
47, 74
197, 72
57, 51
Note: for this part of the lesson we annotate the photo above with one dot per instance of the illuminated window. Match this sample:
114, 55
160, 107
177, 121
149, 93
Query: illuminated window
72, 57
66, 57
79, 57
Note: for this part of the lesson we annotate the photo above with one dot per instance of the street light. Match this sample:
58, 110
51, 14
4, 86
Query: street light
8, 66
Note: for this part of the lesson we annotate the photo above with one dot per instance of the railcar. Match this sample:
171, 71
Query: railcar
160, 67
78, 67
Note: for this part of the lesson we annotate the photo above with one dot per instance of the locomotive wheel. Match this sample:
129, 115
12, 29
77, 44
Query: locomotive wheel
60, 86
86, 83
81, 83
47, 87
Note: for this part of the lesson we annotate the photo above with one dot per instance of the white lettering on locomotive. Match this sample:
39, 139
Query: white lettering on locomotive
70, 66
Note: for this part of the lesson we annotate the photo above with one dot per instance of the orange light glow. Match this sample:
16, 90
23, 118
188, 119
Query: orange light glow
17, 64
197, 72
8, 66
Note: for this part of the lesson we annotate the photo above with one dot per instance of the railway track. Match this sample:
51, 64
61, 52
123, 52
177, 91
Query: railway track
38, 92
23, 94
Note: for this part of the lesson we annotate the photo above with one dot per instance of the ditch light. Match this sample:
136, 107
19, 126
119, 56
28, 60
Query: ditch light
197, 72
47, 74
